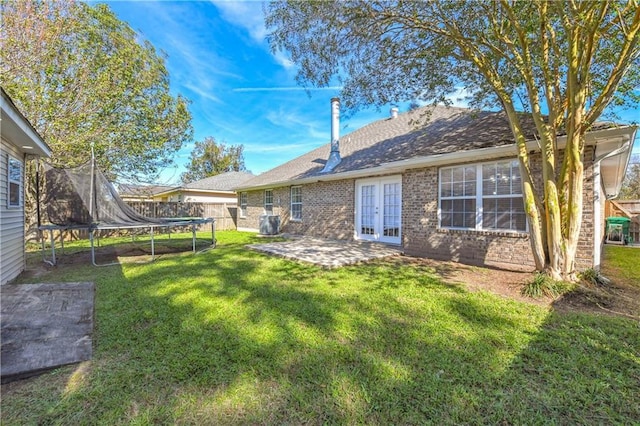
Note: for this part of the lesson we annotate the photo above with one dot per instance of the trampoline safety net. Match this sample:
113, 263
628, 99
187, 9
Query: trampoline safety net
72, 199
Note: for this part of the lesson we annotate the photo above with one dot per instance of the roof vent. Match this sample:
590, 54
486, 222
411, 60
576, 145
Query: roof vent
394, 112
334, 156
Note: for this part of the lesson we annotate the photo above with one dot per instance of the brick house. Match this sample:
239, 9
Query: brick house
441, 182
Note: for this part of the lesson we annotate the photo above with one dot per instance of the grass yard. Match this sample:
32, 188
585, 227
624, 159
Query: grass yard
622, 262
232, 336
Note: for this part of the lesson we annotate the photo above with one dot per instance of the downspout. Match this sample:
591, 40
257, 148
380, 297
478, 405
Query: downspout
597, 217
38, 195
598, 235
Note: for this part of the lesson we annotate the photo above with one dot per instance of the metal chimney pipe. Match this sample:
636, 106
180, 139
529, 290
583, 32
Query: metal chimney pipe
394, 112
334, 156
335, 124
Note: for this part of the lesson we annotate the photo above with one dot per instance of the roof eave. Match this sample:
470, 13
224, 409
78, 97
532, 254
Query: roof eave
613, 153
592, 138
191, 190
20, 126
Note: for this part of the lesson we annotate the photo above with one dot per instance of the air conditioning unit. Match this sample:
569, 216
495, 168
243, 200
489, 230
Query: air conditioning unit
269, 224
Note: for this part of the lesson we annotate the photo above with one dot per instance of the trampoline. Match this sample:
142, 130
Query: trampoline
82, 199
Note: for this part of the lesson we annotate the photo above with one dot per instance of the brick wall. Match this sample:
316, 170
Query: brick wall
584, 256
328, 211
422, 238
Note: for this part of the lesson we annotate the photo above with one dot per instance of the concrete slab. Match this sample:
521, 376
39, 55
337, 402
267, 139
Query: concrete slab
327, 253
44, 326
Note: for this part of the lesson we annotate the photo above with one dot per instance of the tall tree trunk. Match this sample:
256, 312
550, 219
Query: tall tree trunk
532, 205
575, 171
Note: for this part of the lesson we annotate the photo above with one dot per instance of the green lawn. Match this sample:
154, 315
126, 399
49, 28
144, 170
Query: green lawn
622, 262
232, 336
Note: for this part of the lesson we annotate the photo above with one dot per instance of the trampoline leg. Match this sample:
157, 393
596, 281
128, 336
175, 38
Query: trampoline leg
93, 249
53, 247
42, 245
153, 247
51, 262
193, 232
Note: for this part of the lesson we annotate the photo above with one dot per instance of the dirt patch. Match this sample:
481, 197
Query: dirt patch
504, 283
613, 298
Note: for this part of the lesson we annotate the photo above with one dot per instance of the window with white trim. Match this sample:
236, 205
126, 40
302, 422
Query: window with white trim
296, 203
243, 204
484, 196
268, 201
14, 178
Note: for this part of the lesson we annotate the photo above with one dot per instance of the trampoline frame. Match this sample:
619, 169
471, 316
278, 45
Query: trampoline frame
91, 229
92, 226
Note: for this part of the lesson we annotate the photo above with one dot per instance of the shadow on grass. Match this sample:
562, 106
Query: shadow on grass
235, 337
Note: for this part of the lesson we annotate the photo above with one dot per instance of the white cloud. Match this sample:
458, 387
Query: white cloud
244, 14
283, 60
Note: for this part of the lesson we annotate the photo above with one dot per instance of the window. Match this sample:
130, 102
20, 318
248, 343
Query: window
15, 182
243, 204
482, 197
296, 203
268, 201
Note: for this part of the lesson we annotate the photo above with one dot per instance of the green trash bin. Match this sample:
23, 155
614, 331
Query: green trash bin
618, 230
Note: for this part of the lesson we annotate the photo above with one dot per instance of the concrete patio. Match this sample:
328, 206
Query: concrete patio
327, 253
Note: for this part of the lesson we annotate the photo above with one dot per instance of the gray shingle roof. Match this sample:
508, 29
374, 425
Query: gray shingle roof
423, 132
222, 182
131, 190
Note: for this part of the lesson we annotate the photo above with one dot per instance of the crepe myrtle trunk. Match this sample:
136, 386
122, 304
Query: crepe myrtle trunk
575, 186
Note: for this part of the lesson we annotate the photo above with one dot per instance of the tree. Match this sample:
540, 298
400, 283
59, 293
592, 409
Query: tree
562, 63
82, 77
631, 185
210, 158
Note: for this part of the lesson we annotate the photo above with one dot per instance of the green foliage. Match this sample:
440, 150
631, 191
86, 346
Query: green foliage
542, 285
395, 51
631, 185
590, 276
232, 336
82, 76
210, 158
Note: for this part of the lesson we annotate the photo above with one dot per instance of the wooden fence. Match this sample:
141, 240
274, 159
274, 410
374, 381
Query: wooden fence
225, 214
629, 209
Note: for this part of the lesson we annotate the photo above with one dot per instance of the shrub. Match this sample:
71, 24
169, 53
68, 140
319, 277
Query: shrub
592, 277
543, 285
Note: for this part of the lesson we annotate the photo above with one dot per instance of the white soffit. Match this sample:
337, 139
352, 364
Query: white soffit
614, 154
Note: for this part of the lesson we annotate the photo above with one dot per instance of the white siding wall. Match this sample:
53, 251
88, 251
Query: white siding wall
232, 199
12, 260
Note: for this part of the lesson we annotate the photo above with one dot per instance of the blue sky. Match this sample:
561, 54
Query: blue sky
240, 93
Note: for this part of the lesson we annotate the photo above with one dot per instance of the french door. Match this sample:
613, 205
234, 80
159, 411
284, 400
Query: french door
379, 209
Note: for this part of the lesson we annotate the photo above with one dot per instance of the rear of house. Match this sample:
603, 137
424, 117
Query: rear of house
447, 188
20, 142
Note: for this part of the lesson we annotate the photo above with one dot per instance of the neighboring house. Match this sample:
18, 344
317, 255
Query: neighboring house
214, 189
20, 142
130, 192
444, 185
